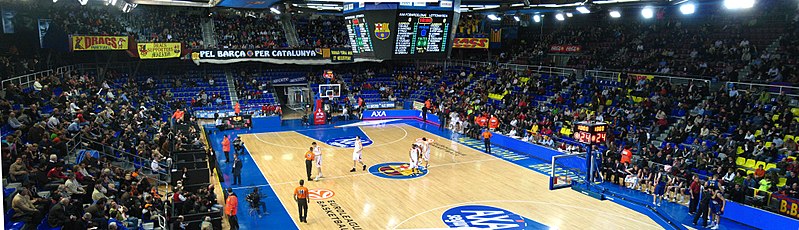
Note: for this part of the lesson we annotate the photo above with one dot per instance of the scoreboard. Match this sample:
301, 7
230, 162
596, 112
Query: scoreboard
358, 31
590, 133
419, 33
388, 31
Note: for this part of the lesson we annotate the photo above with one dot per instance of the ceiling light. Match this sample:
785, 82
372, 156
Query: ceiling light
687, 8
274, 10
569, 15
615, 14
559, 16
83, 2
647, 12
583, 10
493, 17
739, 4
537, 18
516, 18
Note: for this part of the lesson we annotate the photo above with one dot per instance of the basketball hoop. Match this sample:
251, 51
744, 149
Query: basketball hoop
329, 95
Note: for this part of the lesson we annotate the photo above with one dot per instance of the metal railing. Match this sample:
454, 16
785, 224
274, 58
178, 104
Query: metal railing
550, 70
792, 91
614, 75
25, 81
124, 157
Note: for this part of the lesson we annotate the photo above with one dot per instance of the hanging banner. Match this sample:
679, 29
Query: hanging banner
84, 43
158, 50
44, 25
263, 53
470, 43
564, 48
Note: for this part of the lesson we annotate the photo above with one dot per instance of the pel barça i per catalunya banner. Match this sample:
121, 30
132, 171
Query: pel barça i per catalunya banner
87, 43
258, 53
158, 50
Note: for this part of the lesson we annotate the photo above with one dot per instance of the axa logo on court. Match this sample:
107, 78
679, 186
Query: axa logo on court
347, 142
378, 113
480, 216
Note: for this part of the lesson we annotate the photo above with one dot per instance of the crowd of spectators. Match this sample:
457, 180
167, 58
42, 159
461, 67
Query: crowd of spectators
158, 24
44, 125
679, 129
248, 30
322, 32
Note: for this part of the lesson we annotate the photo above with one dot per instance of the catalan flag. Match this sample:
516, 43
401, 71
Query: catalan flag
496, 35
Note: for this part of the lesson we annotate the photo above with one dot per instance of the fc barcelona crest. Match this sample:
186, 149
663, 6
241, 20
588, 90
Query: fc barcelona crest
382, 31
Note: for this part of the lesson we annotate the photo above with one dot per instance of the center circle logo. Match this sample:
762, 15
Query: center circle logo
396, 170
320, 194
347, 142
481, 216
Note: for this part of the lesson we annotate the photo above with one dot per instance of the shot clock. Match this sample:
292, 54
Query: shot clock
590, 133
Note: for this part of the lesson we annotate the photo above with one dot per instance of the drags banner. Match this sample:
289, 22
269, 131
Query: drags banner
96, 43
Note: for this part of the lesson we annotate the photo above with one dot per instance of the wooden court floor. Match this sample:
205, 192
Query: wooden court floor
467, 178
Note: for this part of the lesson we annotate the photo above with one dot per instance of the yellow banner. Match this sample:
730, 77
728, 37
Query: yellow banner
158, 50
81, 43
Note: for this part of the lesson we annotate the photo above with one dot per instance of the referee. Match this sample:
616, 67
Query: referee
487, 138
301, 196
309, 157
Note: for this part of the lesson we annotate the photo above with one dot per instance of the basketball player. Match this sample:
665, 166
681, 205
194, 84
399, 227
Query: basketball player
356, 154
317, 152
414, 159
425, 149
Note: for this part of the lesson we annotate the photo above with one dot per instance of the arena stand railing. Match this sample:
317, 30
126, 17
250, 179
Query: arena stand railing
25, 81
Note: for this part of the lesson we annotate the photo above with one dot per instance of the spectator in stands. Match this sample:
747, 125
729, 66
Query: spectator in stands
24, 208
58, 215
18, 171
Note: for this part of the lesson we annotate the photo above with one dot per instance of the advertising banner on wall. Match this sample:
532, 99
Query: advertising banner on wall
470, 43
98, 43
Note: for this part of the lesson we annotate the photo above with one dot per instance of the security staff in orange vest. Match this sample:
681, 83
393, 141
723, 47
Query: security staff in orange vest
231, 209
493, 123
487, 139
483, 121
309, 157
301, 196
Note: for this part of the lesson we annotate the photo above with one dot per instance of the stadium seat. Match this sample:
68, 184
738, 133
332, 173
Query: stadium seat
768, 143
759, 163
792, 158
775, 117
748, 172
788, 137
8, 224
795, 111
750, 163
769, 166
758, 132
782, 182
739, 150
740, 161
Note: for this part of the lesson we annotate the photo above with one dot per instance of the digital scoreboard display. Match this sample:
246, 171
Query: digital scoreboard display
422, 33
590, 133
358, 31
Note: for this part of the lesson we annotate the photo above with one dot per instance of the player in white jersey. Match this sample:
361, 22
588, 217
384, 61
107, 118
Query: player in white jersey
414, 153
426, 152
356, 154
317, 152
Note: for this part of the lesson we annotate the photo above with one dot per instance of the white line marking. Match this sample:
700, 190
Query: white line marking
354, 175
277, 195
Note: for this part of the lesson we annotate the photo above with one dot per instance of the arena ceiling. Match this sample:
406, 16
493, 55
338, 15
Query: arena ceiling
466, 5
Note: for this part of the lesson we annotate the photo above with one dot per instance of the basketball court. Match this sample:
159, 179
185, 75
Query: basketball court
461, 187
